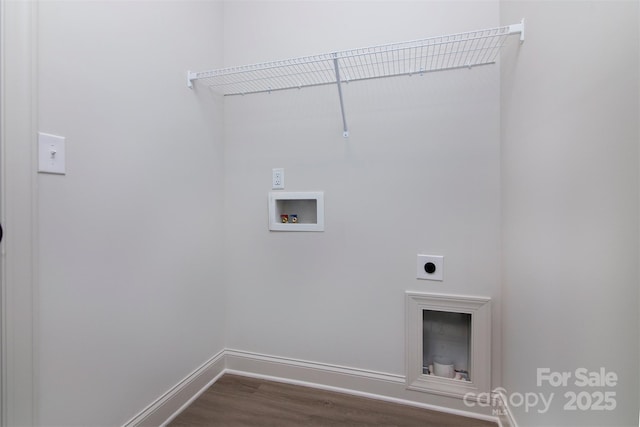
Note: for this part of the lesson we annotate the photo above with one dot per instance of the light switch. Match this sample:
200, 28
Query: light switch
51, 153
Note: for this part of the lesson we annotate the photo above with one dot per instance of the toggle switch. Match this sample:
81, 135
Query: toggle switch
430, 267
51, 153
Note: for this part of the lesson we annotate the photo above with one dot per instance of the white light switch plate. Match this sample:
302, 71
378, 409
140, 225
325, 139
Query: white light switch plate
51, 153
438, 266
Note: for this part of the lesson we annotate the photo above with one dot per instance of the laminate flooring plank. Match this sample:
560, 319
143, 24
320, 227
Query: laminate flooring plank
237, 401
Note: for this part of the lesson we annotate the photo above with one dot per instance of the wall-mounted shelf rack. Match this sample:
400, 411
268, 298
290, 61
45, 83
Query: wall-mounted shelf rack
447, 52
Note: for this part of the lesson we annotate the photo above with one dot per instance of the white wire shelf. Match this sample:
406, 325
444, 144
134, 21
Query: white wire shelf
447, 52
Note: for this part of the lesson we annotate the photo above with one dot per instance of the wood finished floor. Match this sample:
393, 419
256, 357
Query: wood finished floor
241, 401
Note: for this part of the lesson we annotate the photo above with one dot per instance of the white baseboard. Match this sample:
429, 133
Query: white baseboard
505, 416
358, 382
174, 401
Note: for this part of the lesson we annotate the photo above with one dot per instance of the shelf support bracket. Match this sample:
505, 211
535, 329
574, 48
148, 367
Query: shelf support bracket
518, 28
345, 129
190, 77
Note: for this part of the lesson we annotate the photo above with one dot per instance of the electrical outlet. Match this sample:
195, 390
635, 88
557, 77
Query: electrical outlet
278, 179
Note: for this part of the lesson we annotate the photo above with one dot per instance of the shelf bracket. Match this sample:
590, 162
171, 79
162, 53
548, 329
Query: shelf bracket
345, 129
518, 28
190, 78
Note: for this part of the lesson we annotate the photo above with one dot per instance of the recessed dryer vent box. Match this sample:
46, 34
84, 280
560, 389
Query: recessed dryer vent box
448, 344
296, 211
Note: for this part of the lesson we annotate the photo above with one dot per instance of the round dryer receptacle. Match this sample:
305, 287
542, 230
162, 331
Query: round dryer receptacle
430, 267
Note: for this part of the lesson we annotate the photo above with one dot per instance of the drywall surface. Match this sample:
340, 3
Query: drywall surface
570, 209
420, 173
130, 293
17, 94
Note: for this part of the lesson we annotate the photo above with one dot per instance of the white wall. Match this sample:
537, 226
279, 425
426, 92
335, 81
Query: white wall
132, 244
17, 117
130, 294
570, 204
419, 174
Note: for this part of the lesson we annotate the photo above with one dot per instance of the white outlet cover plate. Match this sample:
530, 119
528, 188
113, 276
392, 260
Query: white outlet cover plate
51, 154
278, 179
437, 260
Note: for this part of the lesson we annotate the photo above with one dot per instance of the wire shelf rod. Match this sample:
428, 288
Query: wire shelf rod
407, 74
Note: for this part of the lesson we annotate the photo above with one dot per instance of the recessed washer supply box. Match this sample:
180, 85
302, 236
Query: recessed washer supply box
307, 207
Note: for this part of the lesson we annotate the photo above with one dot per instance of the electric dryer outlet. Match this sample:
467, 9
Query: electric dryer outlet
430, 267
